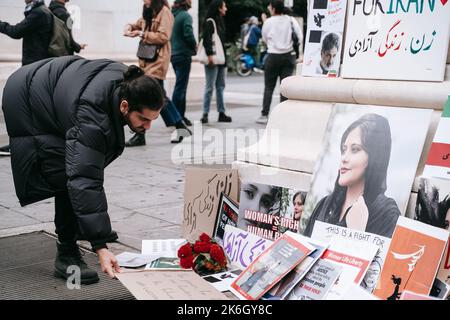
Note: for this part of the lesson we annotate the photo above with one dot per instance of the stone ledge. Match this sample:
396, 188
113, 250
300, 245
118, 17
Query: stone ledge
431, 95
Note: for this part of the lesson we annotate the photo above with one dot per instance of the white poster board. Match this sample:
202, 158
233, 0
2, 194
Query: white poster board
396, 39
323, 43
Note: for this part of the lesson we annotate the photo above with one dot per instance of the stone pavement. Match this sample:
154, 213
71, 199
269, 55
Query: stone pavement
144, 187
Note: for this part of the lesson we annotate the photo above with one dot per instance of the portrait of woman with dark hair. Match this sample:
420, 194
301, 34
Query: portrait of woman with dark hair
358, 200
298, 201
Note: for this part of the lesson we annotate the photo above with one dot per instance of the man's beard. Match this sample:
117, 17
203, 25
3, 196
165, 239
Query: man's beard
140, 130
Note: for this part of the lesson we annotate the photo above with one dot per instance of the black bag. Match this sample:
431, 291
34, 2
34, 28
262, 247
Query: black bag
148, 52
295, 41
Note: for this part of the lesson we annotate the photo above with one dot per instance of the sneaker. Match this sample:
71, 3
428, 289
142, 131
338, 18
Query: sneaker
258, 70
204, 119
136, 141
179, 134
223, 117
187, 122
5, 151
262, 120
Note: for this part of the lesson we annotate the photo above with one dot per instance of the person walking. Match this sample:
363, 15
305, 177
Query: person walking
184, 46
215, 74
281, 58
58, 8
155, 29
36, 31
65, 118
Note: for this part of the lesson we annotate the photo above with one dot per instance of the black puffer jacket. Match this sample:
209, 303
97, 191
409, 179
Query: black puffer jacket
65, 127
36, 31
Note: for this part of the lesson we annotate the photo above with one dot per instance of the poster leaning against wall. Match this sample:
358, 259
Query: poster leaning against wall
396, 39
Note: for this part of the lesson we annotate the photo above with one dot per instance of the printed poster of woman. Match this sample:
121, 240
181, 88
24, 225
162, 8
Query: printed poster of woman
364, 174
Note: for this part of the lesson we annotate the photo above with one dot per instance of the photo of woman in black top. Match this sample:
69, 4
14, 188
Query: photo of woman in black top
358, 200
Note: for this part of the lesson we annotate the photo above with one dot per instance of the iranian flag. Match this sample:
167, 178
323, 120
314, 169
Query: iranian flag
438, 162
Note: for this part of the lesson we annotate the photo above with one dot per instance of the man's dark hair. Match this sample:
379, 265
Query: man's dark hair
181, 4
330, 41
278, 6
141, 91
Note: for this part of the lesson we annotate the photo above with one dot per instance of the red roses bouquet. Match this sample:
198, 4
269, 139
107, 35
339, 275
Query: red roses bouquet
204, 256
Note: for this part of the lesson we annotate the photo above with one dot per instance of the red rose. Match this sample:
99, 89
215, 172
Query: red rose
187, 263
205, 238
202, 247
185, 251
217, 254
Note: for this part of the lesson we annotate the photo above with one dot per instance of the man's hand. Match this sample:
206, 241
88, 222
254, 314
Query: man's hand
108, 262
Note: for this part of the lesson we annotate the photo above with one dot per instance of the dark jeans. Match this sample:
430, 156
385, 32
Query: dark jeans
276, 66
169, 113
65, 220
182, 67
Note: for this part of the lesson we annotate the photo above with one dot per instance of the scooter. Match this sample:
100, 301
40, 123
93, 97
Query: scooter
246, 64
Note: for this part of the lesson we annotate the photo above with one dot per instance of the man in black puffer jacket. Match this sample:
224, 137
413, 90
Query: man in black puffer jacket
35, 29
65, 119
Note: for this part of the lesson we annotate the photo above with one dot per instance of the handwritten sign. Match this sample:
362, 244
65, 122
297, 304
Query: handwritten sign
203, 188
396, 39
241, 247
323, 44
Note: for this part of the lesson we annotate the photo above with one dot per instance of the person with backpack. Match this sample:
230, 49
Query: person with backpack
36, 32
58, 8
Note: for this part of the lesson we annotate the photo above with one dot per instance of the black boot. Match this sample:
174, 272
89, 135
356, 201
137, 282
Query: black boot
223, 117
204, 119
137, 140
69, 255
181, 132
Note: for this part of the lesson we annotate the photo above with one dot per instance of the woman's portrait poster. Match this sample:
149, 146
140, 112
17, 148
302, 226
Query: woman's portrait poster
363, 177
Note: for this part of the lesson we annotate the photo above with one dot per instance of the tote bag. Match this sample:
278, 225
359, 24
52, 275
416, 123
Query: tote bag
219, 57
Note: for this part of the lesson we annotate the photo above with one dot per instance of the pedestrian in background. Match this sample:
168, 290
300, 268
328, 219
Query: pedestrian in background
155, 29
251, 39
58, 8
281, 59
184, 46
36, 32
215, 74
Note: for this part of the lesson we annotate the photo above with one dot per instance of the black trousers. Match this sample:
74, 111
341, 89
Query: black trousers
276, 66
65, 220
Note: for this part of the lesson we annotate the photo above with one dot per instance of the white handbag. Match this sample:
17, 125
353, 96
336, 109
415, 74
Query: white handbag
219, 57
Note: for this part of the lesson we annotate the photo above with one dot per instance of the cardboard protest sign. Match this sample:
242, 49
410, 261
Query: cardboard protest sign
396, 39
202, 191
168, 285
